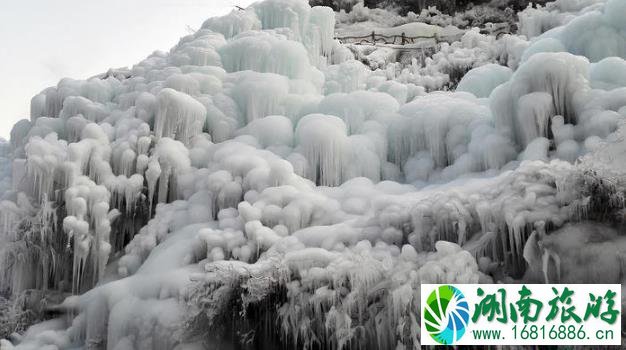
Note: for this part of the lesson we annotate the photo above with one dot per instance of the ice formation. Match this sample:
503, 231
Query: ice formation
259, 185
481, 81
594, 28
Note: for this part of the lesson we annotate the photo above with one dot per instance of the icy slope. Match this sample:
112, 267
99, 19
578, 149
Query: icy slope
592, 28
257, 185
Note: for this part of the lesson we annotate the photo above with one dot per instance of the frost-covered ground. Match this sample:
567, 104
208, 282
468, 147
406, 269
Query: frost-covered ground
257, 185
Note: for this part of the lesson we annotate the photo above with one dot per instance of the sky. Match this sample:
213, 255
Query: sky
42, 41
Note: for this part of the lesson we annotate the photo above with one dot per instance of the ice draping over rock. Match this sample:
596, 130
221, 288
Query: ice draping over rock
596, 30
257, 179
312, 27
560, 104
535, 21
455, 136
336, 265
179, 116
264, 52
236, 22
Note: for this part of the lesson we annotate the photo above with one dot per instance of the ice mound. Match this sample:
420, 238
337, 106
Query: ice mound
560, 104
482, 80
596, 32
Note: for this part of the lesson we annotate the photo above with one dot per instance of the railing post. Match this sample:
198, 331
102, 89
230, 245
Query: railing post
403, 38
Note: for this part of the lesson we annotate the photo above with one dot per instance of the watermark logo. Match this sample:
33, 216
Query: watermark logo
521, 314
446, 314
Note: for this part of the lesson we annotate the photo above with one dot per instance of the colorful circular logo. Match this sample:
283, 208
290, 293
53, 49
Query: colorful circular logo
446, 314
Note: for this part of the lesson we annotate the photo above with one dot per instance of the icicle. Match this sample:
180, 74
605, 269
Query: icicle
322, 139
534, 113
259, 95
179, 116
